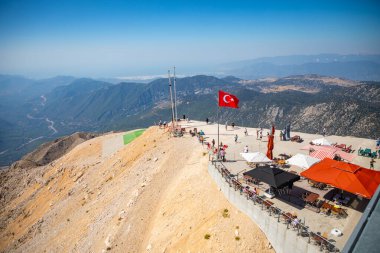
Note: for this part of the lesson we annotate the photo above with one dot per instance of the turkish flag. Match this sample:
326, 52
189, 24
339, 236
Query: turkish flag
228, 100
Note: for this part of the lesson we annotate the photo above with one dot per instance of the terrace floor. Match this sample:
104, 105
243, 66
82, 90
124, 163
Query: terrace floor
317, 222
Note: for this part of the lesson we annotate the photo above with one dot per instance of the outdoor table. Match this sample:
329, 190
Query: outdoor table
268, 203
311, 198
291, 216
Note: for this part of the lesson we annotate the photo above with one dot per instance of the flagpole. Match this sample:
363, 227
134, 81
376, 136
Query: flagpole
228, 100
171, 99
218, 143
175, 97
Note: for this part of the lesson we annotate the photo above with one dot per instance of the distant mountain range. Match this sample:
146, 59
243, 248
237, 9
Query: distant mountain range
36, 111
355, 67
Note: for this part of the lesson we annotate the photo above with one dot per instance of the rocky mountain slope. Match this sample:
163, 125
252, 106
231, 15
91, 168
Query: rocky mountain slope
286, 100
53, 150
308, 102
143, 197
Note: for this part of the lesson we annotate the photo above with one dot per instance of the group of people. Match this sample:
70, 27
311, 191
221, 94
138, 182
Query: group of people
200, 136
162, 124
213, 151
372, 162
232, 125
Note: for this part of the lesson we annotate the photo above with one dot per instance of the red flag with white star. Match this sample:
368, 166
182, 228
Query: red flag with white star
228, 100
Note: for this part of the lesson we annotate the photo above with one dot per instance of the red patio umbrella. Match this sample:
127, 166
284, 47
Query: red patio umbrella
345, 176
271, 144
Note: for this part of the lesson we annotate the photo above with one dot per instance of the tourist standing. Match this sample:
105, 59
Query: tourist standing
206, 121
236, 138
246, 149
324, 131
213, 143
223, 155
246, 132
371, 164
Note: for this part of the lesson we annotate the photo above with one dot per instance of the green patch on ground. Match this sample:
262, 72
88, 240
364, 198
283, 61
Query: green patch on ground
127, 138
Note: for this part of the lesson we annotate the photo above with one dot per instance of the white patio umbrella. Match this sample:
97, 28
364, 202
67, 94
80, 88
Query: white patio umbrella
321, 141
255, 157
302, 161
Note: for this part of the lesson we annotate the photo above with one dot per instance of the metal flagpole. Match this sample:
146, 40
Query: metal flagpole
218, 143
171, 97
175, 98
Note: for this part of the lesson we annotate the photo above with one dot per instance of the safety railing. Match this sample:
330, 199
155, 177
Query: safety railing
289, 220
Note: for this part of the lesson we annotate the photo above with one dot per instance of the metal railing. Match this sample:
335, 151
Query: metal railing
290, 221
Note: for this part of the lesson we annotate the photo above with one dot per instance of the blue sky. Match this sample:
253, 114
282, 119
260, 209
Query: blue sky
119, 38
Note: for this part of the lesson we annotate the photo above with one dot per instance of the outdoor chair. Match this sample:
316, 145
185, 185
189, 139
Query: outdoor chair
326, 208
319, 203
296, 138
287, 219
348, 149
341, 146
330, 247
312, 183
304, 231
267, 204
275, 210
316, 239
280, 162
364, 152
321, 186
249, 194
342, 213
335, 212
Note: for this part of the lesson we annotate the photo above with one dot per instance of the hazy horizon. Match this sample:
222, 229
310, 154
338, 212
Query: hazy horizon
127, 38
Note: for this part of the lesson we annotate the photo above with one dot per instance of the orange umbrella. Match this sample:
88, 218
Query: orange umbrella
346, 176
270, 147
271, 144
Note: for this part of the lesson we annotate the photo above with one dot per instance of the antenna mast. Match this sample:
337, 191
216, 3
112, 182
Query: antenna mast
171, 97
175, 97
